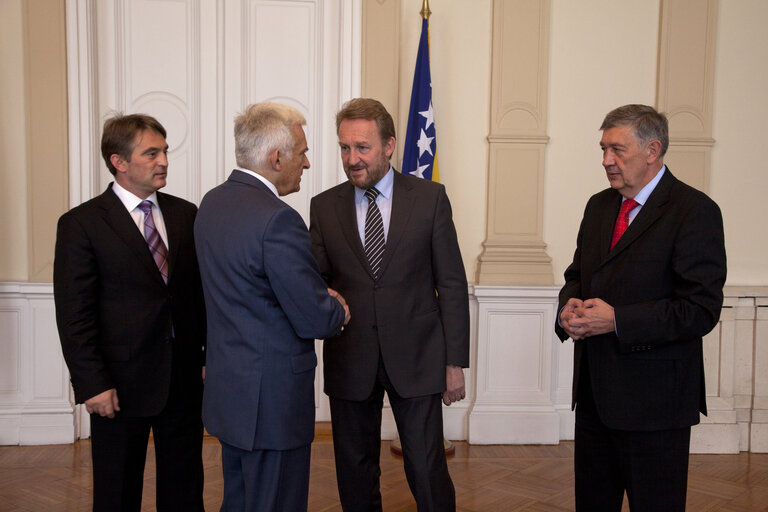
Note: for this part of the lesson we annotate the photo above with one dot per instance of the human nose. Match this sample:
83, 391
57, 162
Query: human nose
163, 159
354, 157
306, 162
608, 159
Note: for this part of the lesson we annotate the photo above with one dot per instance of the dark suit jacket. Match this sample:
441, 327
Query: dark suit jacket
266, 303
665, 280
416, 314
115, 313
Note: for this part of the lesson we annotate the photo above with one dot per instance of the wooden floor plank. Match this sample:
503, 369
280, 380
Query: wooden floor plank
487, 478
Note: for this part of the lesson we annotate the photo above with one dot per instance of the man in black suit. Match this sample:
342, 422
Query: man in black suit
402, 275
131, 321
637, 301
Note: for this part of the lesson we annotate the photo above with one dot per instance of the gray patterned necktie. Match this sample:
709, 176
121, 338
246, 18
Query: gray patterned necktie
374, 232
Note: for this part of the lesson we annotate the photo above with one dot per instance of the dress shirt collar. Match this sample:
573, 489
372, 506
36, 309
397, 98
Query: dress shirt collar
645, 192
261, 178
130, 200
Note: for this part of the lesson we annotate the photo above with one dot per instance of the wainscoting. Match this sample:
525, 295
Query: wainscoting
518, 385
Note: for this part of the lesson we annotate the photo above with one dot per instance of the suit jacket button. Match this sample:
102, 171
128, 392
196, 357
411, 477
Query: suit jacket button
375, 327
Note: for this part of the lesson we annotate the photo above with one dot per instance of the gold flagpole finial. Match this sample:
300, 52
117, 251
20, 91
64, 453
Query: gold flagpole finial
425, 12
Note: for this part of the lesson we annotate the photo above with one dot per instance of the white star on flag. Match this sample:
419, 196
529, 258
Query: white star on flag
424, 143
420, 171
428, 115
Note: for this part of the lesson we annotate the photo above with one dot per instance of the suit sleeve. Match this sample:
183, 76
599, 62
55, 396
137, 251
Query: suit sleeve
572, 286
318, 244
698, 270
293, 275
76, 295
450, 283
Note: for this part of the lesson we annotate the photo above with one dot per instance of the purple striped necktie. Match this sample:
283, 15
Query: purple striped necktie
155, 243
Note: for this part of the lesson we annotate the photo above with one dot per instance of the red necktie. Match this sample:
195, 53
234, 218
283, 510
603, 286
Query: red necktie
622, 221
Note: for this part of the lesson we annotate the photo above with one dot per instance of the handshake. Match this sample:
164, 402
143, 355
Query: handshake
336, 295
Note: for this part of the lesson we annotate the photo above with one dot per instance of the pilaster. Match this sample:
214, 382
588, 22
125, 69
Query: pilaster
514, 252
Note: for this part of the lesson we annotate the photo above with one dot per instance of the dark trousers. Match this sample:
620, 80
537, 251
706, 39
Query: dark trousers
265, 480
119, 449
357, 447
652, 466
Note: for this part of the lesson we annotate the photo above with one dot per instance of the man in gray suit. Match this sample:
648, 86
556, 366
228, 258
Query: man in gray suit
266, 303
387, 242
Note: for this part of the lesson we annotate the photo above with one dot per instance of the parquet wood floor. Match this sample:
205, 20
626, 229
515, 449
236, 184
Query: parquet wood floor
487, 479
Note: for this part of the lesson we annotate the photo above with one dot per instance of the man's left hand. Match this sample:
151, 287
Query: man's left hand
454, 384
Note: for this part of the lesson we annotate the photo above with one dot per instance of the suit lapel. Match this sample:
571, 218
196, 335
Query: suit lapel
347, 215
118, 218
402, 205
648, 214
607, 224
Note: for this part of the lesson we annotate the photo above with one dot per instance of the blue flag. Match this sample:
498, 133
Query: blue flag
420, 150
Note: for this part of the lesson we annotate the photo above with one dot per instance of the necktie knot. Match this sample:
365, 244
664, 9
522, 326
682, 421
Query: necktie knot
371, 194
146, 207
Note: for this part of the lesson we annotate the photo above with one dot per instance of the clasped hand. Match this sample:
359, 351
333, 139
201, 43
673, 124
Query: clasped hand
581, 319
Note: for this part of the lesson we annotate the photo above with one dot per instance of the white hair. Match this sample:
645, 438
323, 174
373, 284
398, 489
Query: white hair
263, 128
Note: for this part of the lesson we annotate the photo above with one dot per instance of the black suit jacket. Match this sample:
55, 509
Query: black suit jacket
115, 314
665, 280
416, 313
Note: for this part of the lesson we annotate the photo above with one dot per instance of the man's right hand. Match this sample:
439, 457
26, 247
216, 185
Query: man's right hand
103, 404
569, 313
333, 293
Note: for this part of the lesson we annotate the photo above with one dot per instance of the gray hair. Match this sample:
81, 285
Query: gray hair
648, 124
263, 128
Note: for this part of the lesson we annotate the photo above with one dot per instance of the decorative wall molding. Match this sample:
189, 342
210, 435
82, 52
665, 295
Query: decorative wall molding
35, 402
686, 84
519, 396
514, 252
518, 385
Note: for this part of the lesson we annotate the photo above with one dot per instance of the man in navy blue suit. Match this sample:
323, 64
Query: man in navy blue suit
266, 303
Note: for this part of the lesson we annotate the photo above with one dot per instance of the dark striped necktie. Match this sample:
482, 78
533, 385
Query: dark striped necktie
374, 232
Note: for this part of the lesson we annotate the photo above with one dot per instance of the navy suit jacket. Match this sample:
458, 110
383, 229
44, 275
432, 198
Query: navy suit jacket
416, 313
665, 280
115, 314
266, 303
